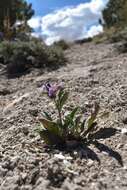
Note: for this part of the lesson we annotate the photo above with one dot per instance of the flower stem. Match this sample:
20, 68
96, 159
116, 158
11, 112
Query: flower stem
59, 112
60, 116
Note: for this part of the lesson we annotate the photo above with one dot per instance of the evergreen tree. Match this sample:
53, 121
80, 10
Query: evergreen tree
115, 14
13, 11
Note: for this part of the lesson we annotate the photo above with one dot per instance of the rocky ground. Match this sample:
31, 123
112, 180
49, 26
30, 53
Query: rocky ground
93, 72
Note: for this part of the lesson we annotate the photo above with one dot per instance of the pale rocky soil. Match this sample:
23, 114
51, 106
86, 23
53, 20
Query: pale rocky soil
94, 72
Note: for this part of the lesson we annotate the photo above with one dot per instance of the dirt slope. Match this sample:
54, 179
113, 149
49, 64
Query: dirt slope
94, 72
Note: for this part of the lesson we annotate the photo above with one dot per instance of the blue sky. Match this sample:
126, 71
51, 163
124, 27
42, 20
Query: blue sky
44, 7
66, 19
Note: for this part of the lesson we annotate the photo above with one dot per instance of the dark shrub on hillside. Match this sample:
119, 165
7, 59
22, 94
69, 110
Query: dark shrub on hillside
61, 44
22, 56
82, 41
120, 35
122, 48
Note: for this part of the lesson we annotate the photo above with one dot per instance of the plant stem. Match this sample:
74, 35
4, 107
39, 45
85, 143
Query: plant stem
60, 116
59, 112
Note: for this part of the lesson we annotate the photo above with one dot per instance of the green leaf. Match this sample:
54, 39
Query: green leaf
70, 117
74, 111
51, 138
104, 115
47, 116
90, 122
82, 125
50, 126
61, 92
77, 126
62, 98
92, 118
77, 121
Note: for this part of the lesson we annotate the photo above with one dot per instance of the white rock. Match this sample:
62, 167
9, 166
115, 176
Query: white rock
69, 158
90, 163
67, 163
59, 156
124, 131
125, 167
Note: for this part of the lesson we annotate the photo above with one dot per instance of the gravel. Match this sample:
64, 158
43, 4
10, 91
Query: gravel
94, 72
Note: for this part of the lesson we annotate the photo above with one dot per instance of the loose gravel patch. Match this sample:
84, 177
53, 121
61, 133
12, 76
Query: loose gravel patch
94, 72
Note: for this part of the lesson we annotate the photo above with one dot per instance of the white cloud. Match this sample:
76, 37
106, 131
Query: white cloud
71, 23
94, 30
35, 22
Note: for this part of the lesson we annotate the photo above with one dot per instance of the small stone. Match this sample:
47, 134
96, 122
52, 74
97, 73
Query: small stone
94, 176
32, 135
4, 91
124, 120
90, 163
25, 130
42, 186
33, 112
124, 131
10, 173
59, 156
6, 165
42, 183
125, 168
120, 146
69, 158
75, 153
14, 162
69, 186
3, 172
26, 187
67, 163
34, 174
24, 176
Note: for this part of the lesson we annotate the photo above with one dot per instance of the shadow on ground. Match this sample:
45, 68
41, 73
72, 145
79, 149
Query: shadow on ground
103, 133
87, 152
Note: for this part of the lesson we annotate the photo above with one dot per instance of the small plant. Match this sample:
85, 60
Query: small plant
68, 126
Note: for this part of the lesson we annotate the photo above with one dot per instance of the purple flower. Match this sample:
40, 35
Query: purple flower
51, 89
